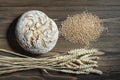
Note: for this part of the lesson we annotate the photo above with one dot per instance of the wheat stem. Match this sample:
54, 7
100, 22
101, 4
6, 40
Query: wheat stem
78, 61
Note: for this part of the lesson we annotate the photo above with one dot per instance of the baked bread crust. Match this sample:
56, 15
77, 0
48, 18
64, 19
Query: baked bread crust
36, 32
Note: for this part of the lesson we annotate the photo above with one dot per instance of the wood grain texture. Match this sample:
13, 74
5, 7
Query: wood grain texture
10, 11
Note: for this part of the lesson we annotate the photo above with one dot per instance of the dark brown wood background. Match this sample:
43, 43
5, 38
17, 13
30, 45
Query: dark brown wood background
10, 10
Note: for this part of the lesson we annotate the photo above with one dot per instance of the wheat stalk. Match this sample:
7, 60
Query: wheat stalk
77, 61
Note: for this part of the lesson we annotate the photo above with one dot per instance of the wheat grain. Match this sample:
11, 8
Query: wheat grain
82, 28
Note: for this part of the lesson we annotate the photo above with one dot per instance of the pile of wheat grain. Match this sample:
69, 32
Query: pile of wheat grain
82, 28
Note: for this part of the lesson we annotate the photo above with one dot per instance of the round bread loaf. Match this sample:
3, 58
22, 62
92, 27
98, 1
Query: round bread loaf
36, 32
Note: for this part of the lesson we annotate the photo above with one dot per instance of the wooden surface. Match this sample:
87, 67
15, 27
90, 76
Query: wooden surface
10, 10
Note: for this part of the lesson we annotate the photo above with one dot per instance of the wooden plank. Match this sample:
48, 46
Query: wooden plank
47, 3
59, 9
63, 45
